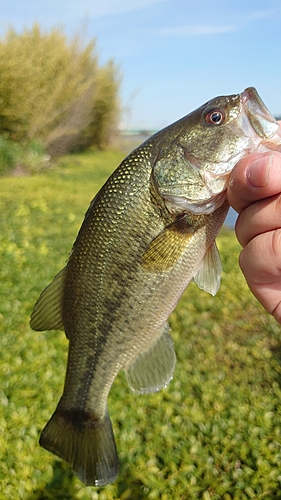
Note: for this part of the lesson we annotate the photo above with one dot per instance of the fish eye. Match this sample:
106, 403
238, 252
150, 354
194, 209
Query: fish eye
215, 117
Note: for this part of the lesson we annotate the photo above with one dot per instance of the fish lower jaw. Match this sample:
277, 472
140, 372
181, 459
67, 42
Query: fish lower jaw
272, 144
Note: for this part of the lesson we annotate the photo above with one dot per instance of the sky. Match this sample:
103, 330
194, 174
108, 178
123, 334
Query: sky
173, 55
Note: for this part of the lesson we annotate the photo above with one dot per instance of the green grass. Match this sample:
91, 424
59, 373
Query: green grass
213, 433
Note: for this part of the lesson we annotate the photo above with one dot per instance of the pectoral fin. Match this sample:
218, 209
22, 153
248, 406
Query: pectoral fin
47, 313
153, 369
208, 275
165, 250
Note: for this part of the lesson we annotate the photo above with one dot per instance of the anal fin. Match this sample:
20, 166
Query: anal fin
153, 369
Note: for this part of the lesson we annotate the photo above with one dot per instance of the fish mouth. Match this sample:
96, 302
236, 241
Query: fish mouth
265, 129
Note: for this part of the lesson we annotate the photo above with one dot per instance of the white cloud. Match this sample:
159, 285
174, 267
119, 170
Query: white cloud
98, 8
48, 12
260, 14
197, 29
237, 23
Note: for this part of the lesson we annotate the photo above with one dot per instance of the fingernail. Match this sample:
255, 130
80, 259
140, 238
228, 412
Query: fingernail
257, 172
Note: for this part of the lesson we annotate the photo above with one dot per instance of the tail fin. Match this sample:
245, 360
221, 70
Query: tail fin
85, 442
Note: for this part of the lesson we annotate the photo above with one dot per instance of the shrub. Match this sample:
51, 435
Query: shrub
8, 155
106, 108
21, 158
51, 89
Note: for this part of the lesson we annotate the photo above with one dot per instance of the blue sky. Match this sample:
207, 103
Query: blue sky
173, 54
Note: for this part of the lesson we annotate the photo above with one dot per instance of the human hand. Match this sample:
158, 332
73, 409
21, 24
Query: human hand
255, 193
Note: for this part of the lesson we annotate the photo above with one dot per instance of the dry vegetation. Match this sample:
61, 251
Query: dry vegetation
54, 90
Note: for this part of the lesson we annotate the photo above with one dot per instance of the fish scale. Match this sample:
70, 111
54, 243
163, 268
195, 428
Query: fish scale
149, 231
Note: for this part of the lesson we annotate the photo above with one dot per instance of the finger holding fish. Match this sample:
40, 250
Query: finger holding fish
255, 192
255, 177
260, 261
259, 217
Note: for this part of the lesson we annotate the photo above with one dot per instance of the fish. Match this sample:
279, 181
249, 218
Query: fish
146, 235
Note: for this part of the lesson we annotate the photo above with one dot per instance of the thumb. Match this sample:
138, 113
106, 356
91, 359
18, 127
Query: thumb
255, 177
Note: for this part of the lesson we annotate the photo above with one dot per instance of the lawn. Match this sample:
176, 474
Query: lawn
213, 433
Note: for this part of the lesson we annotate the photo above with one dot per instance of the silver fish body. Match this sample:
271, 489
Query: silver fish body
149, 231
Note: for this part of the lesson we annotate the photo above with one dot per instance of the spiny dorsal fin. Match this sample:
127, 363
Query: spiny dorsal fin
47, 313
165, 250
208, 275
153, 369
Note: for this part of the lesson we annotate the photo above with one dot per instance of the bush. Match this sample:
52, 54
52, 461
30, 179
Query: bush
8, 155
22, 158
106, 108
51, 89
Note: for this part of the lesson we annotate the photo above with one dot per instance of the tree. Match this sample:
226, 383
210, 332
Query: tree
51, 89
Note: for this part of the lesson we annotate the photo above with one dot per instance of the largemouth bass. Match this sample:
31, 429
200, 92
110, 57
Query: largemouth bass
149, 231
